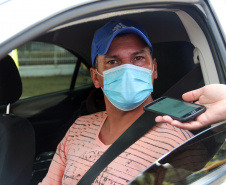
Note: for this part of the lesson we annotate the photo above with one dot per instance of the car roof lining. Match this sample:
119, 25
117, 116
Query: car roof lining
111, 14
78, 37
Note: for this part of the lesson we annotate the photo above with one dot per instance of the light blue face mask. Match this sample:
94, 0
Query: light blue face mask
127, 86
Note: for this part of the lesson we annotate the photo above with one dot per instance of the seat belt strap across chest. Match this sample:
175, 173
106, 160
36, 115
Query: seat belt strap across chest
140, 127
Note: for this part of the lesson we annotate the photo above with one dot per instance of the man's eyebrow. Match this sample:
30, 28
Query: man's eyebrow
111, 56
139, 52
117, 56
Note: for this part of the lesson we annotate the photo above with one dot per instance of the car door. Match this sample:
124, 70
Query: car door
200, 160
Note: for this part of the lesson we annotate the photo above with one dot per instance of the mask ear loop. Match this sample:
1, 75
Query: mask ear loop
99, 73
102, 76
153, 69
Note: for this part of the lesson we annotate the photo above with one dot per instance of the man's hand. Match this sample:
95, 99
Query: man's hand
213, 97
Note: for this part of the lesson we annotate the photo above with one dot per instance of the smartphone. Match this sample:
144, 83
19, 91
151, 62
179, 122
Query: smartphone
177, 109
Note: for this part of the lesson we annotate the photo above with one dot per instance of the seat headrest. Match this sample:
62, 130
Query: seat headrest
10, 81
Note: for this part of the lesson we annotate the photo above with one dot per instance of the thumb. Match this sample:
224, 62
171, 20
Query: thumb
192, 95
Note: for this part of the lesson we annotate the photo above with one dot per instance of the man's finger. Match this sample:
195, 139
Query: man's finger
193, 125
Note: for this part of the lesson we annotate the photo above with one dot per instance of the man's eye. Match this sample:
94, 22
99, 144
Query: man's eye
138, 58
139, 61
112, 62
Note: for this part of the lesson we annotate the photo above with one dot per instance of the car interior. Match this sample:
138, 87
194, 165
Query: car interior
183, 45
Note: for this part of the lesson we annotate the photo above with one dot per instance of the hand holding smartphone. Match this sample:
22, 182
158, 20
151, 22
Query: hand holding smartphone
177, 109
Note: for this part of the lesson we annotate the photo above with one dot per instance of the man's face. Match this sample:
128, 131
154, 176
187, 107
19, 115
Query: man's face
124, 49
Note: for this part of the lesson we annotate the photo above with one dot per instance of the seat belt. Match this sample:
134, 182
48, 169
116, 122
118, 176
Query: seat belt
140, 127
188, 82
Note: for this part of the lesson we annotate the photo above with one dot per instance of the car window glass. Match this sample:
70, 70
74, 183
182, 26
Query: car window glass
44, 68
196, 158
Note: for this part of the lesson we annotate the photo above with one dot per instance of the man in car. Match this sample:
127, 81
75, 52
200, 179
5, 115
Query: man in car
124, 69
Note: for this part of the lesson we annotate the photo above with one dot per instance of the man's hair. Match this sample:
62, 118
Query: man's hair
96, 63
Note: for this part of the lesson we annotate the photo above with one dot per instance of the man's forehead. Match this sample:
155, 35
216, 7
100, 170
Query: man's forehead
145, 50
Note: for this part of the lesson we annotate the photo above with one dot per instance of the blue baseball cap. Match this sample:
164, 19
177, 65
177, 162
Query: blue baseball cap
104, 36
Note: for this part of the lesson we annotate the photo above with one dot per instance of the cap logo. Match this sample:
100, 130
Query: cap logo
118, 27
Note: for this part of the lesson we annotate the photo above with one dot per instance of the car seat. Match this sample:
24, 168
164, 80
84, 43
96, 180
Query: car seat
17, 141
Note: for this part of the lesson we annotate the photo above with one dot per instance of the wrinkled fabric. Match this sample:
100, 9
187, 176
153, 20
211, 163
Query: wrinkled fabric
81, 148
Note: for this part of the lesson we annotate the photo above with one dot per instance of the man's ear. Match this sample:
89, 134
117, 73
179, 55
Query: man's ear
95, 77
155, 72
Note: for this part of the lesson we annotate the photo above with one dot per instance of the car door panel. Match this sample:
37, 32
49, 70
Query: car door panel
51, 115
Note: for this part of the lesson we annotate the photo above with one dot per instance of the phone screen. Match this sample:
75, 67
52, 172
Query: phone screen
173, 107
